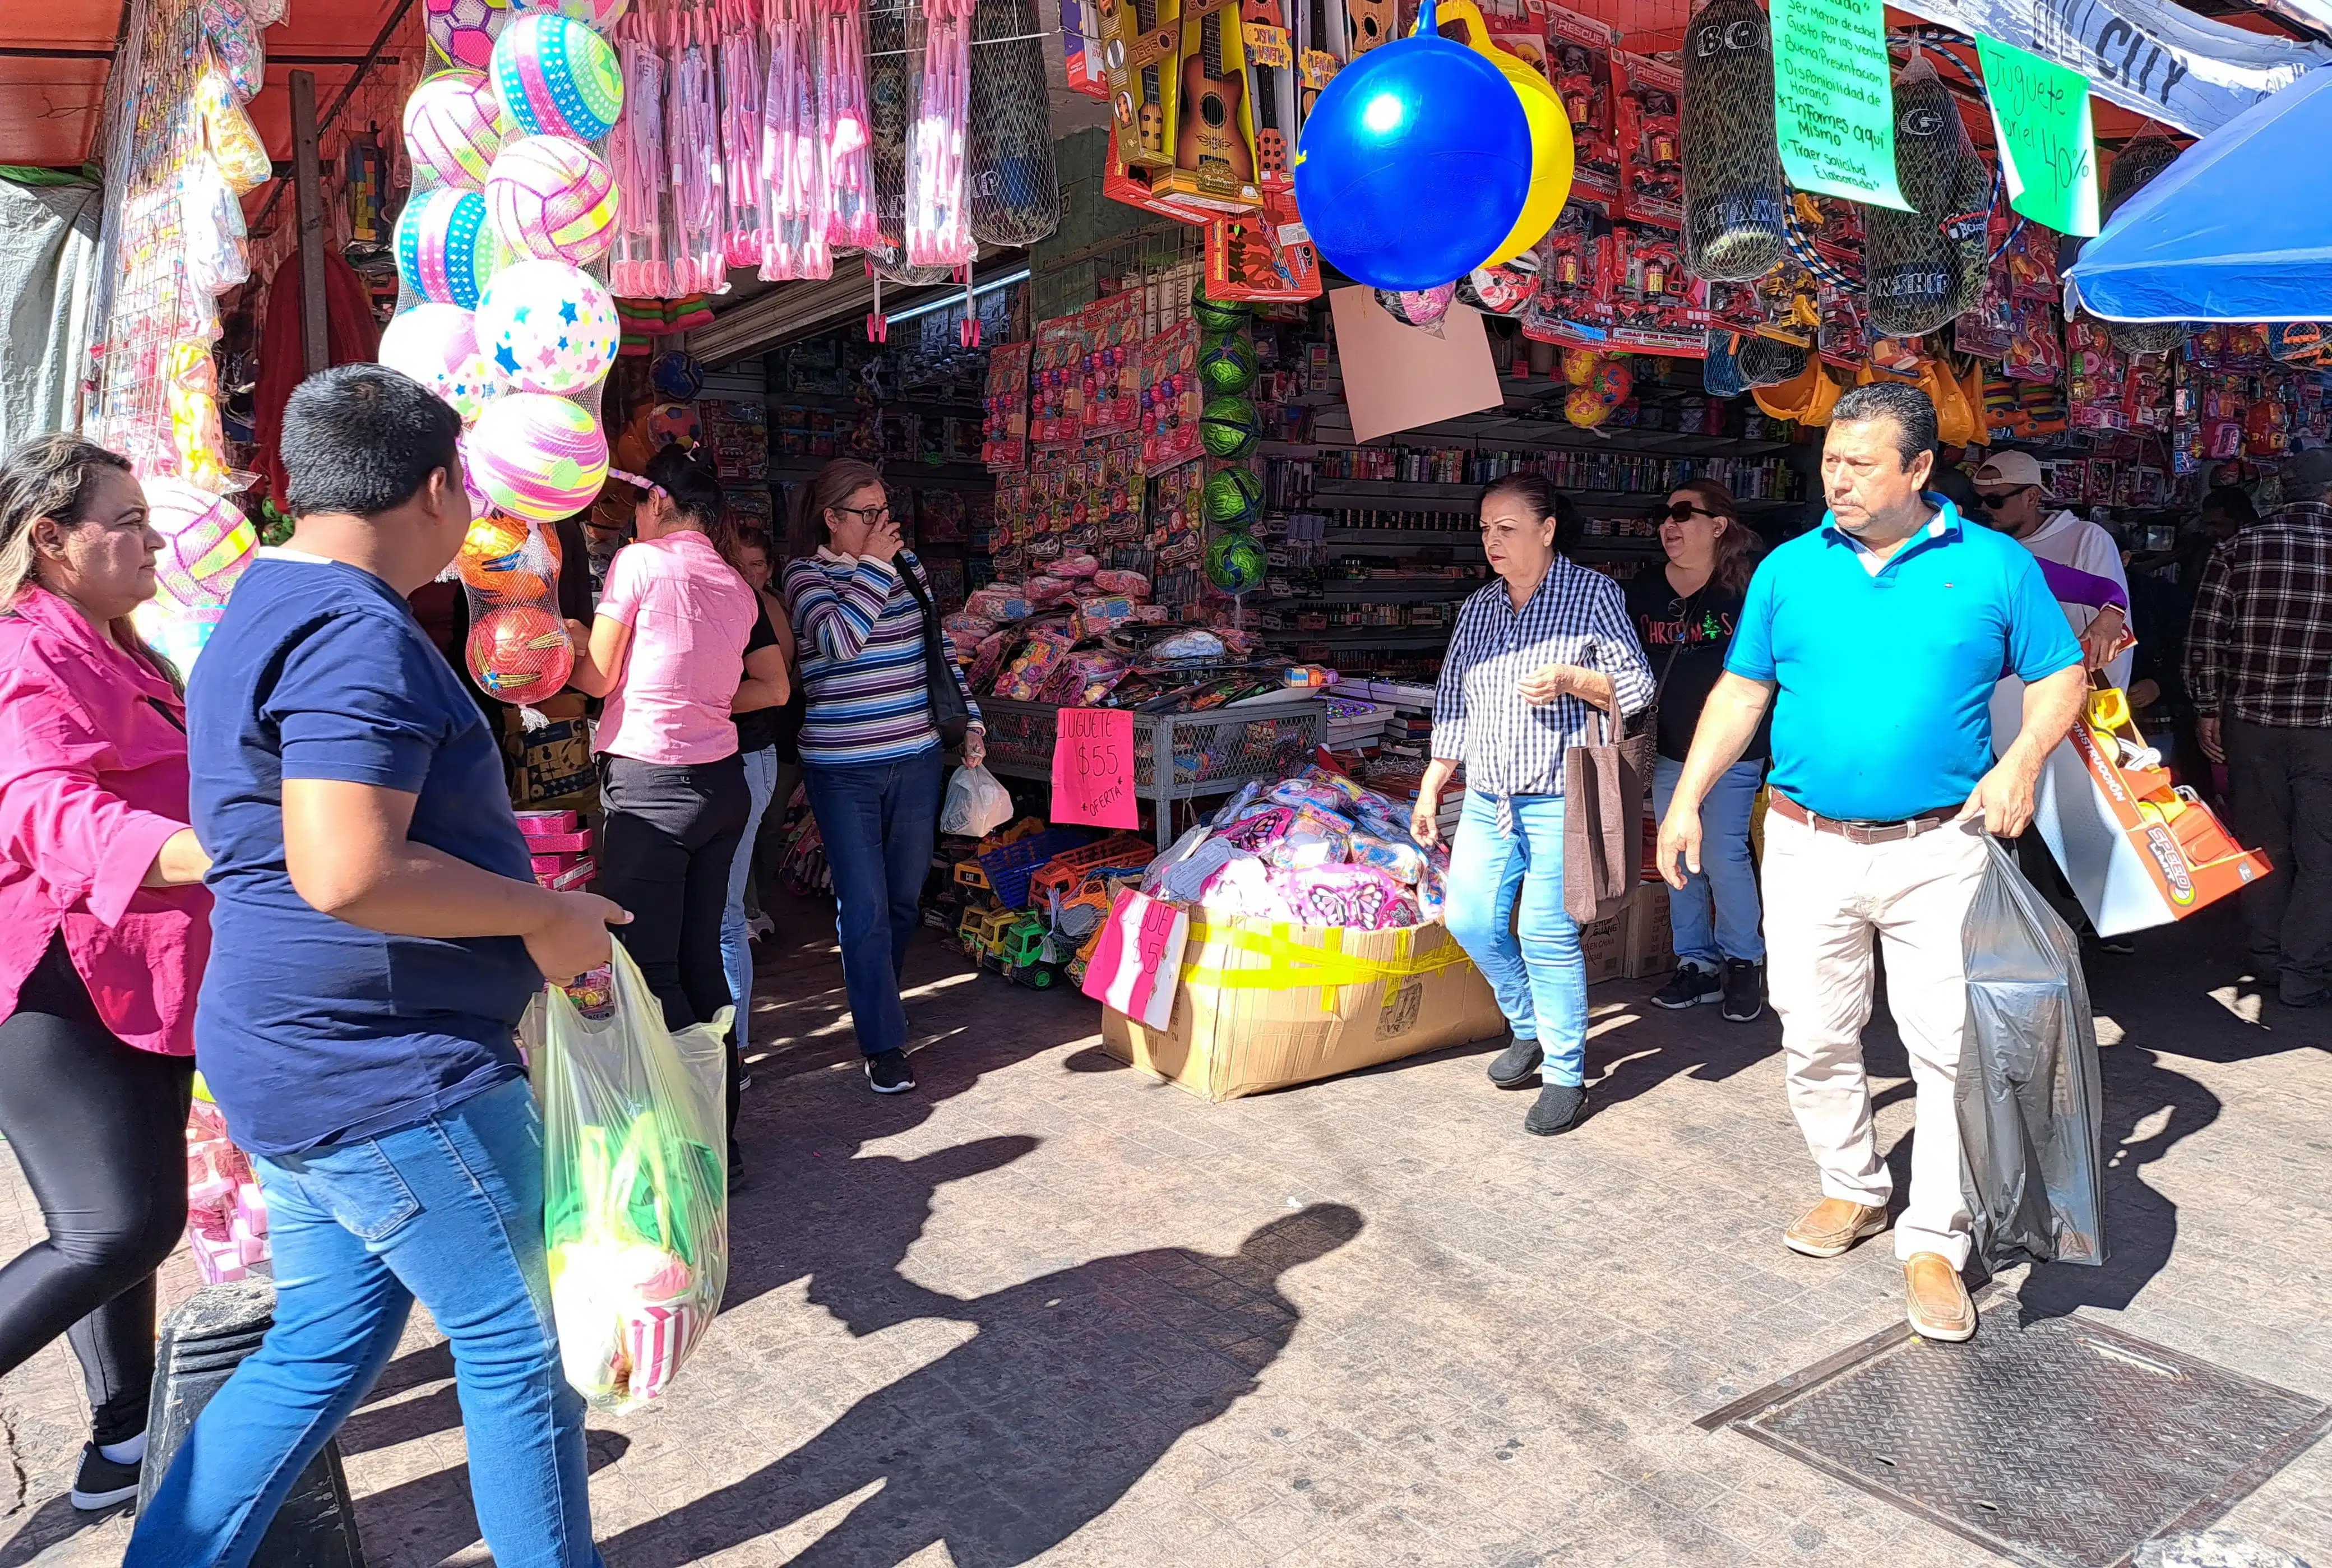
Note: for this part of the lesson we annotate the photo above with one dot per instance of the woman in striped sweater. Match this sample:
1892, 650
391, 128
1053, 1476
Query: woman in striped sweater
870, 748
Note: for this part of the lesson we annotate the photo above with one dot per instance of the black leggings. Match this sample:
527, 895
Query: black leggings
99, 1128
666, 851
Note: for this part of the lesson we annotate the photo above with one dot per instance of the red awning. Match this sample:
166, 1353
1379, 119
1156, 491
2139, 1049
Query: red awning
55, 54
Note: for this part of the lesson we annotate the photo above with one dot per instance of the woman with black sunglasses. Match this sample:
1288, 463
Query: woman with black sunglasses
1685, 612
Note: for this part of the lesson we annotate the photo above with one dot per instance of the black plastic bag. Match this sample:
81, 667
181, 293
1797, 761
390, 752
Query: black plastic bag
2030, 1100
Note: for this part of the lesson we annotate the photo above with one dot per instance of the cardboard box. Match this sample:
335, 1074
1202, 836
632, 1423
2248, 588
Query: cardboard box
1604, 945
1651, 943
1263, 1006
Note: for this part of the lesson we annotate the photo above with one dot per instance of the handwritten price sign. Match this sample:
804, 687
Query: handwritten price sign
1834, 99
1093, 768
2047, 148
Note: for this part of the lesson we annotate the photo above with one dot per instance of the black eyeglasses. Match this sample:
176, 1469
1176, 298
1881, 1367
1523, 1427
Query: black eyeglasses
1678, 510
875, 514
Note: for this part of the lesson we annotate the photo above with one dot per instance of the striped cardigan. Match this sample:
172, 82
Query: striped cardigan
861, 640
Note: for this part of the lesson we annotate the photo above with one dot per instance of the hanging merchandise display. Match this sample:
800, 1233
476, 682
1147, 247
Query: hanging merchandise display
1733, 196
639, 266
1924, 266
745, 71
938, 216
691, 137
1015, 194
846, 126
797, 242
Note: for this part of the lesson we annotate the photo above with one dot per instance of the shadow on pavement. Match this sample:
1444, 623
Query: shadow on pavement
1076, 1384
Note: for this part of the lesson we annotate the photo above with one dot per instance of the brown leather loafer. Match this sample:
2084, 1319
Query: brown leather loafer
1938, 1300
1832, 1225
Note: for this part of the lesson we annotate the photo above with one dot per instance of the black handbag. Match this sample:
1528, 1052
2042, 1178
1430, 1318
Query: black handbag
950, 714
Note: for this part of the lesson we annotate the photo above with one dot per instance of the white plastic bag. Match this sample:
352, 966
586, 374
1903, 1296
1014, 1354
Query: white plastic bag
977, 804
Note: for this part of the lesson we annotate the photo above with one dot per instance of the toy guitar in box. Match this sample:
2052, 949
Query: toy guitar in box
1369, 22
1140, 39
1215, 162
2139, 850
1271, 64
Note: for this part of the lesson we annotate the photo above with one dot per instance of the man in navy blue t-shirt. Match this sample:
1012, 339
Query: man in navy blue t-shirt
378, 934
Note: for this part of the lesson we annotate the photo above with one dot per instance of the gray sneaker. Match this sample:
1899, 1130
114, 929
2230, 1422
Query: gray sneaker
1516, 1066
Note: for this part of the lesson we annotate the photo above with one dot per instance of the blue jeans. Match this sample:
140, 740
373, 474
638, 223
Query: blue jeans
1725, 878
1539, 976
736, 943
448, 1212
879, 824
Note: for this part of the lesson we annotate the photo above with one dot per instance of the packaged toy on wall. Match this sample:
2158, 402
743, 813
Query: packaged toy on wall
1650, 137
1141, 41
1270, 49
1582, 49
1110, 382
1172, 397
1253, 260
1056, 390
1656, 307
1215, 163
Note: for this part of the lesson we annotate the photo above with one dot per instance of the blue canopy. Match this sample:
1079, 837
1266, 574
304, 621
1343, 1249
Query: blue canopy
2238, 229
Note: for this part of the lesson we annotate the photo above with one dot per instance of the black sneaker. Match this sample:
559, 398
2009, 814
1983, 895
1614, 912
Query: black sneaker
1745, 990
1691, 987
1558, 1110
1518, 1065
887, 1073
101, 1482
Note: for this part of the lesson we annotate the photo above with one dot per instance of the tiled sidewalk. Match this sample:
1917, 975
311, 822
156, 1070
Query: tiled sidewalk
1047, 1310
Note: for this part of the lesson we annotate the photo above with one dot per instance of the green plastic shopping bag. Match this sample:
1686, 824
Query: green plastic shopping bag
635, 1187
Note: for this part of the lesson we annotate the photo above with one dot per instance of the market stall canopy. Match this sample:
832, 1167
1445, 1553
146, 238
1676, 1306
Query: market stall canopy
55, 56
2238, 229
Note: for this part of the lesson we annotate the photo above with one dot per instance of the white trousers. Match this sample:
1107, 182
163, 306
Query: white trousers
1825, 897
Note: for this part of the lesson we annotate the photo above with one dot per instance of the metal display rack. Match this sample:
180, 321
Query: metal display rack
1209, 753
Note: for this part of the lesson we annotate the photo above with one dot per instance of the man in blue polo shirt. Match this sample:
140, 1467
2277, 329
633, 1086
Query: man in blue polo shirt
1878, 639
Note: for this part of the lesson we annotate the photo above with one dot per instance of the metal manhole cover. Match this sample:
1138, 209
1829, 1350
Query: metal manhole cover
2063, 1444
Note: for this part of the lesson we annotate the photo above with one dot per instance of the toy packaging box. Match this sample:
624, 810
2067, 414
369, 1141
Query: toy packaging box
1270, 48
1215, 162
1263, 258
1141, 48
1263, 1005
1581, 50
2137, 850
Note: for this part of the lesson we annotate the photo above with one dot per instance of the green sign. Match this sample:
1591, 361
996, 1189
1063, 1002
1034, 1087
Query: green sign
1834, 99
2048, 151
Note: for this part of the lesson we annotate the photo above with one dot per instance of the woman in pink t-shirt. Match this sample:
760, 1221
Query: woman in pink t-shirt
667, 651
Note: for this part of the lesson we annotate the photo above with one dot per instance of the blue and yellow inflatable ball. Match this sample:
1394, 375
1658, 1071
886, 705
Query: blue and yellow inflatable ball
1427, 157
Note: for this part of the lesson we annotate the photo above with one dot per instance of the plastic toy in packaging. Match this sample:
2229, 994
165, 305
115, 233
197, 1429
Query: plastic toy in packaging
1057, 397
1650, 137
743, 81
1004, 408
798, 241
1111, 369
217, 254
235, 45
233, 141
639, 265
1172, 398
846, 129
2031, 260
691, 132
192, 396
2035, 351
939, 192
1580, 51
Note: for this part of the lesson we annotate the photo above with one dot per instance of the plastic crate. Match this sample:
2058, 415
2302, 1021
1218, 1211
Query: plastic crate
1009, 866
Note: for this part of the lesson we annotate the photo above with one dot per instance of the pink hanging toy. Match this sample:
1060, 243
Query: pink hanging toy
845, 129
939, 227
792, 160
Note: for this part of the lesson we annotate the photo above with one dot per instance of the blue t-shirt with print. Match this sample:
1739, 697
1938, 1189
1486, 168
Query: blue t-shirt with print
312, 1031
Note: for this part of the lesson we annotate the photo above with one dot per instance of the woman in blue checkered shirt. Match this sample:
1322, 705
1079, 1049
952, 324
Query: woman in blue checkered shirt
1531, 653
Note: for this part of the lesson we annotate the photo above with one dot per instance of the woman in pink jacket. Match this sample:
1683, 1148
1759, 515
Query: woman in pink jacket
103, 932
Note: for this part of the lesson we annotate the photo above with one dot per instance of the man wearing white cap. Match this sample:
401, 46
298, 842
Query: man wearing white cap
2012, 488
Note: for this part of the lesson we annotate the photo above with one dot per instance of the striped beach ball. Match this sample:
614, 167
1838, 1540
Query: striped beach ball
554, 199
548, 327
537, 456
449, 128
445, 250
555, 77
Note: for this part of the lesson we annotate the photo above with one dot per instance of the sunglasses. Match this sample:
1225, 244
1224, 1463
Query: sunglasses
1678, 511
1998, 497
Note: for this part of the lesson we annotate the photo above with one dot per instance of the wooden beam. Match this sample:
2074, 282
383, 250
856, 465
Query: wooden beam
308, 184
